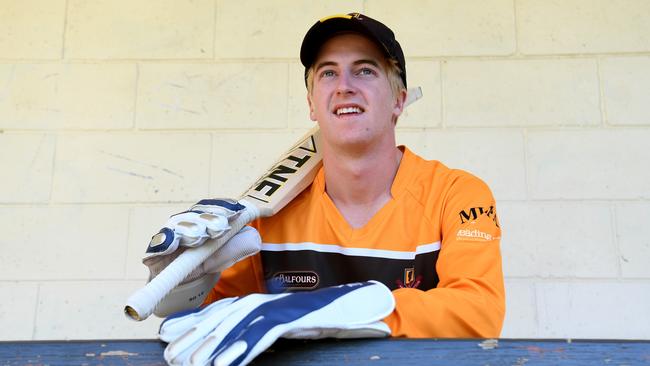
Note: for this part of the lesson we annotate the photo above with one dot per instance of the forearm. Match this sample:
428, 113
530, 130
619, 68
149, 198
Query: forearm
467, 309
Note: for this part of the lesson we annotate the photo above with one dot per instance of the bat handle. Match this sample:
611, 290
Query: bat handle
142, 303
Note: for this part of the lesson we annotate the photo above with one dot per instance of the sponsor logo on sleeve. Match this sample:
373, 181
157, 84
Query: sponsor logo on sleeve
474, 235
472, 214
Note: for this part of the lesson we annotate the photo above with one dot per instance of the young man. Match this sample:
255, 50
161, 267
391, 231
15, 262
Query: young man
375, 211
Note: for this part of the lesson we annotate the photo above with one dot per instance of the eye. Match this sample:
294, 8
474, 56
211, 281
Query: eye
327, 73
365, 71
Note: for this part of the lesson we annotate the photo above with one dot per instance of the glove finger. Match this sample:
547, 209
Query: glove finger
242, 245
188, 226
232, 353
179, 323
215, 225
206, 352
220, 334
196, 227
225, 207
192, 242
162, 243
198, 331
244, 334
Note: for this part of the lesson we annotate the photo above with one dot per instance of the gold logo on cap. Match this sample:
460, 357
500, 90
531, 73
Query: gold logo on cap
345, 16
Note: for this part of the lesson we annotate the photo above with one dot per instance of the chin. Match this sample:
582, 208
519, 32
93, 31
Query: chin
353, 140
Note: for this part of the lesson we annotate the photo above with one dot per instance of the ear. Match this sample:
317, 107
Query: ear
312, 115
400, 100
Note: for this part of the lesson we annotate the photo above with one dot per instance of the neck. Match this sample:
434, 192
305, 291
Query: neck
359, 182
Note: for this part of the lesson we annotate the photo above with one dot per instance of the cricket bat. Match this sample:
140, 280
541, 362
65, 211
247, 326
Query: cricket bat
289, 176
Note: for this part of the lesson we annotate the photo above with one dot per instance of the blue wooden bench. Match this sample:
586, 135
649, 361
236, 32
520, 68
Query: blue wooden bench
391, 352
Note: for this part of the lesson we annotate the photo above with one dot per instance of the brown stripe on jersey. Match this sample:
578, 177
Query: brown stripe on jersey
308, 270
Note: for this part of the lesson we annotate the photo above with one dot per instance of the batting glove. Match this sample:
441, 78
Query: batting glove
206, 220
233, 331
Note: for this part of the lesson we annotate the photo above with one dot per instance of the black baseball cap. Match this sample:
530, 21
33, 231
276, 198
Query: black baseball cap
327, 27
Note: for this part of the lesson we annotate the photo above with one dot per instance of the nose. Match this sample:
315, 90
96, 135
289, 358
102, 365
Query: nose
345, 84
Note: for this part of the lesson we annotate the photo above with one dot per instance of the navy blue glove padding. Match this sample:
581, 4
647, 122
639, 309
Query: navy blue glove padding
236, 330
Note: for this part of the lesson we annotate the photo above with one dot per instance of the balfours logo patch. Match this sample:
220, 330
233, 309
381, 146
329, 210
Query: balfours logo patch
295, 280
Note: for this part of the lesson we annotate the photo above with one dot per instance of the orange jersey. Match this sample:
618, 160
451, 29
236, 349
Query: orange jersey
435, 244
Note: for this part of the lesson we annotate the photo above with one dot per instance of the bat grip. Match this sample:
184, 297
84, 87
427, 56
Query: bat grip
142, 303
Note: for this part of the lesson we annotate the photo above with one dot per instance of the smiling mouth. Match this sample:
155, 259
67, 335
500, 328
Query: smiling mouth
348, 111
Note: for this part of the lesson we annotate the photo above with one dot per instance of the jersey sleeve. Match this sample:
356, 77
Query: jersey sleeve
469, 300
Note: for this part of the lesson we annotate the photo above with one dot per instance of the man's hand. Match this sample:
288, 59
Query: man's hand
206, 220
236, 330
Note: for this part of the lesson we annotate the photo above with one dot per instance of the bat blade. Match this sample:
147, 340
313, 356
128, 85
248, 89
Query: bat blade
287, 178
293, 172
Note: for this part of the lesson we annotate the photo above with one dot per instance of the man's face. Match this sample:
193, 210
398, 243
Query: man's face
351, 96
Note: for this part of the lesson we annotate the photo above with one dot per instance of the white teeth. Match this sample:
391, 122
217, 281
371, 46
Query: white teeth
341, 111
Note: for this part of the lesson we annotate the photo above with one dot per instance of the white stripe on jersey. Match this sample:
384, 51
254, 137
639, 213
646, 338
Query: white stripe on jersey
362, 252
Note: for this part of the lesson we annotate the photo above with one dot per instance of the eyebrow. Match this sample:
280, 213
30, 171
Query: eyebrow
357, 62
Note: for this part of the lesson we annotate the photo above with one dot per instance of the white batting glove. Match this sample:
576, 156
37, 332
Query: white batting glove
207, 220
236, 330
